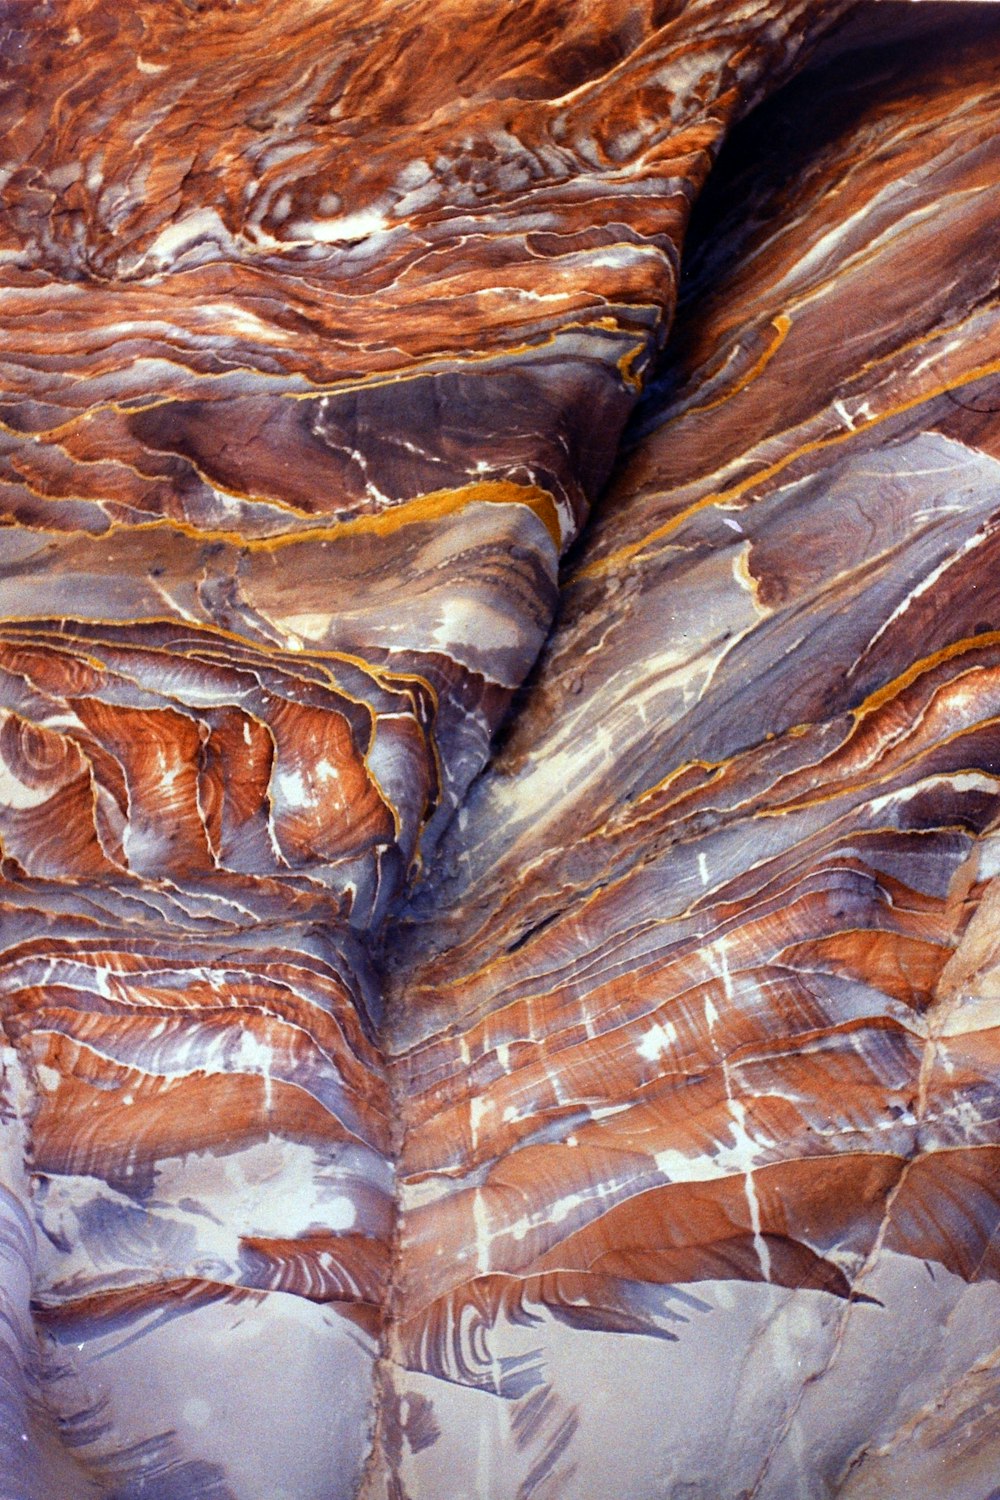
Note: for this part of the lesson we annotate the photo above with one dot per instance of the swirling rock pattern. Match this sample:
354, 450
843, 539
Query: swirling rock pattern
388, 1111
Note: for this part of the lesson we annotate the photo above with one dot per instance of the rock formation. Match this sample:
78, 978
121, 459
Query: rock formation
500, 750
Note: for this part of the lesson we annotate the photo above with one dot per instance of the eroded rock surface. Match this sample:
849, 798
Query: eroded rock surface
611, 1109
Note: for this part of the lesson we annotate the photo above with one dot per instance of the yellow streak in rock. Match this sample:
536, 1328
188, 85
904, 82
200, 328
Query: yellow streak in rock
422, 365
625, 367
442, 361
604, 565
13, 626
859, 785
899, 684
782, 324
430, 507
923, 340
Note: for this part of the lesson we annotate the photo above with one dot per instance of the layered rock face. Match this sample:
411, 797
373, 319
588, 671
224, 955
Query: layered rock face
498, 714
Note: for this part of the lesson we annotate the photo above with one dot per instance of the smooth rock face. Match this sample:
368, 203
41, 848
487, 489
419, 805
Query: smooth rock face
477, 1026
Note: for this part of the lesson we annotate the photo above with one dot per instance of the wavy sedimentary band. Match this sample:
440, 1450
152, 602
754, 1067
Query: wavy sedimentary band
692, 993
319, 335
